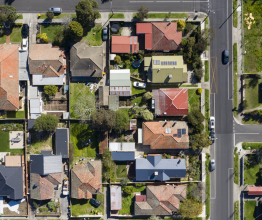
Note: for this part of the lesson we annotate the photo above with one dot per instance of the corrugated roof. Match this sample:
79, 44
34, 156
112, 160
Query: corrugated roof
23, 72
103, 95
61, 142
254, 190
120, 78
124, 146
128, 146
116, 197
33, 92
30, 124
114, 146
120, 91
35, 106
124, 44
143, 28
39, 80
123, 156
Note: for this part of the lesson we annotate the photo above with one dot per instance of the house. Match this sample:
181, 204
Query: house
124, 44
86, 63
165, 134
157, 169
45, 174
115, 197
103, 92
47, 65
160, 36
123, 156
86, 180
122, 146
11, 178
170, 102
62, 142
120, 82
165, 69
160, 200
9, 77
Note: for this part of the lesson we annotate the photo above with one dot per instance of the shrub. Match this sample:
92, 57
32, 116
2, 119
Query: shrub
244, 104
117, 59
198, 74
124, 182
131, 140
128, 189
51, 205
147, 96
184, 42
75, 30
181, 24
138, 185
147, 115
50, 90
199, 90
49, 14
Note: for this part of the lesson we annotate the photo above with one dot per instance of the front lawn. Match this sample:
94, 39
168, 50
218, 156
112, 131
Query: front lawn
207, 109
4, 146
116, 15
3, 36
235, 78
43, 16
94, 36
51, 30
121, 171
166, 15
207, 186
193, 100
235, 13
252, 173
249, 210
15, 114
16, 35
79, 137
253, 93
251, 146
127, 205
206, 71
83, 207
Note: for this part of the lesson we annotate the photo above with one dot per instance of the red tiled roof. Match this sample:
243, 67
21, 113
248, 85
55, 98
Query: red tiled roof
254, 190
9, 77
144, 28
124, 44
155, 134
171, 101
140, 198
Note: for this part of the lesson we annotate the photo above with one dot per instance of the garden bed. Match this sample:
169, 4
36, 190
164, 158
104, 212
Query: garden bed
47, 208
193, 100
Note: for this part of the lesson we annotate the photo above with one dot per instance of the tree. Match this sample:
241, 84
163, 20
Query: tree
208, 34
181, 25
8, 13
147, 96
128, 190
199, 141
75, 30
84, 106
198, 73
147, 115
189, 27
196, 191
50, 14
122, 120
51, 205
190, 208
142, 13
154, 217
85, 12
117, 59
123, 182
46, 123
184, 42
200, 46
195, 117
104, 120
50, 90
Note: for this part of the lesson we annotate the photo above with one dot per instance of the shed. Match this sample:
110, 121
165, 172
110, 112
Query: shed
30, 124
23, 70
115, 197
132, 125
114, 146
65, 115
103, 95
62, 142
125, 146
123, 156
140, 135
113, 102
254, 190
120, 77
120, 90
13, 161
35, 106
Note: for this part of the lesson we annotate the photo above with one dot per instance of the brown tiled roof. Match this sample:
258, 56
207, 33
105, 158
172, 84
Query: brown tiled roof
161, 200
163, 135
9, 77
47, 60
86, 180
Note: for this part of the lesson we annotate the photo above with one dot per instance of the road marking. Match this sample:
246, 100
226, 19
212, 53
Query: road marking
228, 192
140, 1
213, 70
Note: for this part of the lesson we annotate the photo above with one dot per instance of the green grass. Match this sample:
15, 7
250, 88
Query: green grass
139, 100
77, 89
37, 143
250, 146
3, 37
165, 15
94, 39
251, 174
235, 77
20, 16
235, 13
121, 171
140, 189
4, 146
43, 16
236, 211
206, 71
80, 135
207, 187
207, 109
116, 15
249, 210
236, 168
193, 100
206, 21
83, 207
15, 114
127, 205
250, 121
51, 30
136, 90
252, 95
16, 35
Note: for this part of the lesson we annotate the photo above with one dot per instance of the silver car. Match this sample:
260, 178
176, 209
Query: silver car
139, 85
212, 165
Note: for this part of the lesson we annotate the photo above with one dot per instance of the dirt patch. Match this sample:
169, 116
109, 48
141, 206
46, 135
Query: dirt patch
57, 114
55, 106
22, 210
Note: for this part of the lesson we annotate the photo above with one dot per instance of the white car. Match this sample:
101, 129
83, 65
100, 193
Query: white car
212, 122
25, 44
139, 85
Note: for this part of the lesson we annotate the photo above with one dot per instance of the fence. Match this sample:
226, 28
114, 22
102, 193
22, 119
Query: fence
242, 170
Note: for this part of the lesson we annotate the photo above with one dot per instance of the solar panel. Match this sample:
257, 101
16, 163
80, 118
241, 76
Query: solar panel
183, 131
179, 133
175, 63
174, 135
158, 62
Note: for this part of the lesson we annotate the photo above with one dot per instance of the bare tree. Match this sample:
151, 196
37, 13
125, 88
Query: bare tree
66, 21
84, 106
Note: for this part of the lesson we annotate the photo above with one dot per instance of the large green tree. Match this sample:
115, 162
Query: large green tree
195, 117
75, 30
121, 121
199, 141
85, 12
190, 208
147, 115
142, 13
104, 120
50, 90
8, 13
46, 123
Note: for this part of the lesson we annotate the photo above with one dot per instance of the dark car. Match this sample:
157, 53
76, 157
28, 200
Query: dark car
225, 56
212, 165
95, 203
212, 135
25, 30
104, 33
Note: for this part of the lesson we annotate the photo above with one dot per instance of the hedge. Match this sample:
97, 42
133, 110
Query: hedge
250, 146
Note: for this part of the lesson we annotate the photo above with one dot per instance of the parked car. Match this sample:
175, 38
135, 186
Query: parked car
139, 85
65, 187
212, 135
25, 44
95, 202
56, 10
212, 165
25, 30
105, 33
212, 122
225, 56
153, 103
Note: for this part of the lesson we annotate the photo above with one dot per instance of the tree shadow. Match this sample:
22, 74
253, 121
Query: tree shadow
9, 2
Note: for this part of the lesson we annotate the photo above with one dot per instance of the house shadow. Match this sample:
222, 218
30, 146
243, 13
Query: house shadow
9, 2
260, 93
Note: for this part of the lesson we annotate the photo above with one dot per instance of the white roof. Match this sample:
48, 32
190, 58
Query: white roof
35, 106
125, 146
114, 146
140, 135
35, 116
120, 77
33, 92
38, 79
129, 146
52, 164
65, 115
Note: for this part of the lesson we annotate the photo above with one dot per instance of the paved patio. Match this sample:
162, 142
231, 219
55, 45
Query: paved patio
16, 135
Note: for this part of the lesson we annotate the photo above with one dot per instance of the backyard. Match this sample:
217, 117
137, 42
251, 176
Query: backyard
253, 93
4, 146
81, 135
94, 36
252, 174
15, 114
252, 37
127, 205
249, 210
121, 171
193, 99
39, 142
83, 207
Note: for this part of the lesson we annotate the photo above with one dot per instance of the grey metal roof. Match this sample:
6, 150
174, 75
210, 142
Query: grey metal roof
123, 156
103, 95
120, 78
156, 168
11, 182
35, 106
113, 102
33, 90
46, 152
61, 142
39, 80
23, 66
30, 124
44, 165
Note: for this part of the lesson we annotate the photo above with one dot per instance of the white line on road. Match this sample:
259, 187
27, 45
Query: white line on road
140, 1
228, 192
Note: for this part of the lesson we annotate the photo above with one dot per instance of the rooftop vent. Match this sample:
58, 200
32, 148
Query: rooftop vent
164, 113
168, 131
170, 76
11, 76
156, 173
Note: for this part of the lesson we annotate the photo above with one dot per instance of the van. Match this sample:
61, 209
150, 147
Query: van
56, 10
